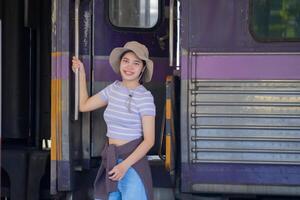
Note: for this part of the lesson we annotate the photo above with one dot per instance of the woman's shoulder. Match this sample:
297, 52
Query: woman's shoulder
142, 89
144, 92
112, 85
145, 103
108, 88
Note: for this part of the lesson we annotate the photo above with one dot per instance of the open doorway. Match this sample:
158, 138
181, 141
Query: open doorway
25, 94
26, 71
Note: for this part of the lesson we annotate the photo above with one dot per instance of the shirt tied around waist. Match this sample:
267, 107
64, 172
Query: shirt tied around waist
103, 185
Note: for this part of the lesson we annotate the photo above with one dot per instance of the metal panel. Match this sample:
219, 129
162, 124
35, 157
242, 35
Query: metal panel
244, 121
249, 189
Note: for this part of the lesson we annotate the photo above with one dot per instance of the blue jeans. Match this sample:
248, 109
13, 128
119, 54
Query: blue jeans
130, 187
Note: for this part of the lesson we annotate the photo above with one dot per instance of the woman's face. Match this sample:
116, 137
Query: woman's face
131, 67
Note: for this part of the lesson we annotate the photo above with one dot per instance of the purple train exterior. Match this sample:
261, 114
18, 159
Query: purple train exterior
235, 100
239, 104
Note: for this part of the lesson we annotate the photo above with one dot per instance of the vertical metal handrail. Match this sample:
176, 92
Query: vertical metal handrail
178, 18
0, 79
77, 2
171, 32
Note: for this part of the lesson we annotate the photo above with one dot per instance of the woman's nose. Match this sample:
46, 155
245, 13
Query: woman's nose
129, 65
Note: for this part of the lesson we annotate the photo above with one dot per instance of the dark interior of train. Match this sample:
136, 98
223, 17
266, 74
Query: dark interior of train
26, 71
26, 78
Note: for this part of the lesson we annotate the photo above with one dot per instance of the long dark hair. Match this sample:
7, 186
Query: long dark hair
144, 65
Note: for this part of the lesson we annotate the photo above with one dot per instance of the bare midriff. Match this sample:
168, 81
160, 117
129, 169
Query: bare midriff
117, 142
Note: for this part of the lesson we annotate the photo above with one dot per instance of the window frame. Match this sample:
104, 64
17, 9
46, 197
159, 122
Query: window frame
161, 4
263, 39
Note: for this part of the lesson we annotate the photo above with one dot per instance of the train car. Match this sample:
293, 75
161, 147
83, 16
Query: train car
226, 89
240, 97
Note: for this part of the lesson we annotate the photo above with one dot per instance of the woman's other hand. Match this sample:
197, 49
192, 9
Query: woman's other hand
118, 172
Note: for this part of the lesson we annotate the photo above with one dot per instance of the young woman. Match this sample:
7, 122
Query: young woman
130, 116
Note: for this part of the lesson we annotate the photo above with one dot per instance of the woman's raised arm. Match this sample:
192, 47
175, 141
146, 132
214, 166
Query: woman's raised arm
86, 103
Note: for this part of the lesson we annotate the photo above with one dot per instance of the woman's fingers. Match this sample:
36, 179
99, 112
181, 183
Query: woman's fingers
111, 172
115, 177
118, 172
76, 64
115, 174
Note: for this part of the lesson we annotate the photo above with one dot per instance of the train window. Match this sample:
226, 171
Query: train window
275, 20
134, 13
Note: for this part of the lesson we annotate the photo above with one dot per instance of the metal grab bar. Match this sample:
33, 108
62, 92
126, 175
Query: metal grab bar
178, 18
0, 77
171, 32
77, 2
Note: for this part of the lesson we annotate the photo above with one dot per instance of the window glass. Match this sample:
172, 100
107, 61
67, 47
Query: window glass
134, 13
275, 19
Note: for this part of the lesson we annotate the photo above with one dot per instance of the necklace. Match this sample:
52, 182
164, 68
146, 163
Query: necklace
130, 93
130, 98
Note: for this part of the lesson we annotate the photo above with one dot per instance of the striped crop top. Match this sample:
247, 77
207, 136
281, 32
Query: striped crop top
125, 108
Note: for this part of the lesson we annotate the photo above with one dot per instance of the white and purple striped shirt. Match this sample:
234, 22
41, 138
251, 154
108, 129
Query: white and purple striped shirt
123, 115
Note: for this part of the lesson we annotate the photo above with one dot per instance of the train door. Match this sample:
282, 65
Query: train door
115, 23
103, 25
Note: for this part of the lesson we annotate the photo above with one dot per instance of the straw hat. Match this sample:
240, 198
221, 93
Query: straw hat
141, 52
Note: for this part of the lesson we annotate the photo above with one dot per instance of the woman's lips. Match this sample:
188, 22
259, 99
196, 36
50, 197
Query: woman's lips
128, 73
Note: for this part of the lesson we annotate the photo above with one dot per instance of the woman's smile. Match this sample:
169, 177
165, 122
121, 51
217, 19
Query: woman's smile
129, 73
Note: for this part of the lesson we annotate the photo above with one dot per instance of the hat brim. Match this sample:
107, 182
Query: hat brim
115, 56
